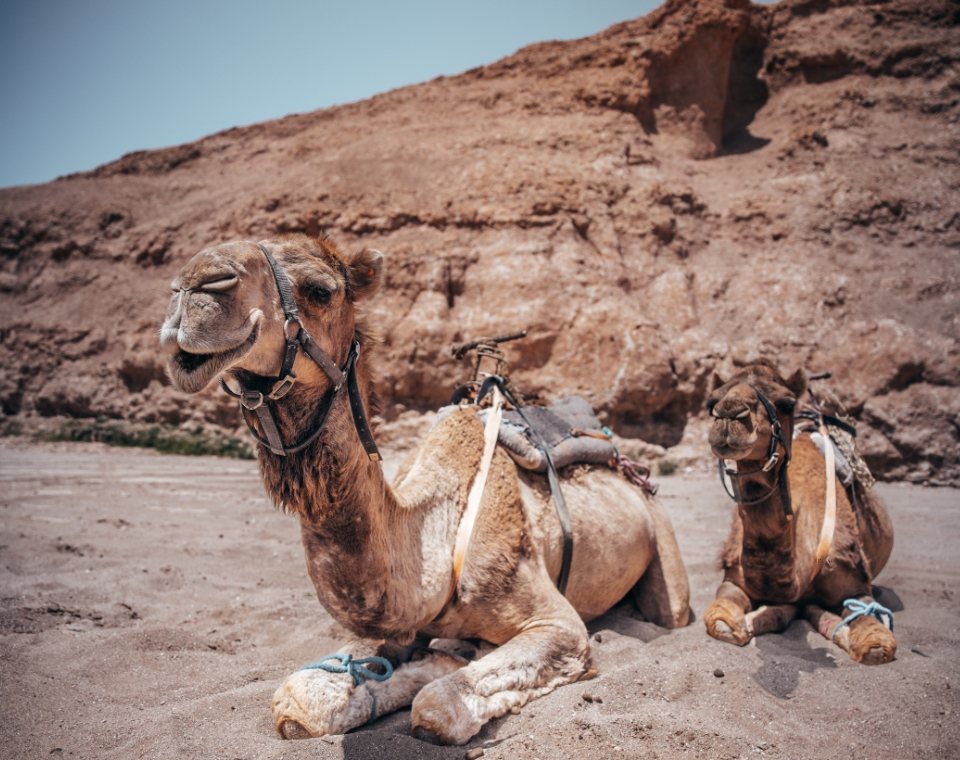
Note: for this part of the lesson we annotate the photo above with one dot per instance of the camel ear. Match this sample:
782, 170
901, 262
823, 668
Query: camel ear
798, 383
715, 382
366, 273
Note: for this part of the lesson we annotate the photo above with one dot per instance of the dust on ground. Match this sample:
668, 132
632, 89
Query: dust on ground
151, 605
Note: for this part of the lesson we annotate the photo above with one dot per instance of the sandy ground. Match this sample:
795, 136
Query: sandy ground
151, 604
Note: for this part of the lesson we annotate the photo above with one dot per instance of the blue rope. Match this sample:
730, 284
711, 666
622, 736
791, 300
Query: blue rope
354, 667
859, 609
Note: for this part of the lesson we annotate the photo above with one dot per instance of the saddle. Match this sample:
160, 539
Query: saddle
842, 433
568, 427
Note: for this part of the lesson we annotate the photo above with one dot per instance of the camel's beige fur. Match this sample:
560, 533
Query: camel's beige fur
770, 564
381, 556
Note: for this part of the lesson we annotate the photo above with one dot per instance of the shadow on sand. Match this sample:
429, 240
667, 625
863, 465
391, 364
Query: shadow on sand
785, 655
626, 619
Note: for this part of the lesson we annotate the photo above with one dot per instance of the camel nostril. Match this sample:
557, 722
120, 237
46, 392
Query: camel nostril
168, 340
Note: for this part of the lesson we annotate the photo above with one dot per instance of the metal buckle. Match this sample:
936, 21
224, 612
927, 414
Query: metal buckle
772, 461
288, 324
251, 399
283, 387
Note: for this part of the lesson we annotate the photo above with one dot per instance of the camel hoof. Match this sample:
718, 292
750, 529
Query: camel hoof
871, 642
425, 735
726, 622
290, 729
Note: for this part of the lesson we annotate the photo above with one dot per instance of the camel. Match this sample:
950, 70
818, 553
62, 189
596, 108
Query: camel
464, 648
772, 568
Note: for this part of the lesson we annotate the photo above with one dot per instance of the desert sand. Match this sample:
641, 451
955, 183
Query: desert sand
152, 604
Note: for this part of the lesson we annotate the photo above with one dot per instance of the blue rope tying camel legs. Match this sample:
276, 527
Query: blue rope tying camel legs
356, 669
859, 609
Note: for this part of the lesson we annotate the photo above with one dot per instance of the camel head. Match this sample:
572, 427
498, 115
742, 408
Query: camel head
226, 314
741, 427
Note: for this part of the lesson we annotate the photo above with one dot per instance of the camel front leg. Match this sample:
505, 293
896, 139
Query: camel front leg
315, 702
731, 617
545, 655
865, 639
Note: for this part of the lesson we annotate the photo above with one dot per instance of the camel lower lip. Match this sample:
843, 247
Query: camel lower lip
192, 373
729, 452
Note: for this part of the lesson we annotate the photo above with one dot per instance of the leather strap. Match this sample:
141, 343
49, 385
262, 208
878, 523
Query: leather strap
297, 337
465, 530
562, 512
830, 507
356, 407
780, 481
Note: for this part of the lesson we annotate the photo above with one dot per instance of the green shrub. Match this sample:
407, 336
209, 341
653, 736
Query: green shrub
10, 427
666, 467
163, 438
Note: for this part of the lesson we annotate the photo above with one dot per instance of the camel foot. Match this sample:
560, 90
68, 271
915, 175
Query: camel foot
312, 703
725, 621
290, 729
871, 642
442, 710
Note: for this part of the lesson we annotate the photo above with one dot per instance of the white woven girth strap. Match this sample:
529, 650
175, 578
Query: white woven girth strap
490, 433
830, 508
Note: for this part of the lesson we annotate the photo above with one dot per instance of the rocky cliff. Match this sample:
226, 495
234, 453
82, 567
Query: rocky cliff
681, 193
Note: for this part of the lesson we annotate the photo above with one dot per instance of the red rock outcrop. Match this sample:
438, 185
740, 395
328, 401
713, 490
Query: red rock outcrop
680, 193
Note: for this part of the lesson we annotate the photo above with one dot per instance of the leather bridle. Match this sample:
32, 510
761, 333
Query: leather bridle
297, 338
774, 462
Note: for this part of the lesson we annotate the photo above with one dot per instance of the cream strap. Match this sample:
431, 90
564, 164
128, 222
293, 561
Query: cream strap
830, 508
469, 518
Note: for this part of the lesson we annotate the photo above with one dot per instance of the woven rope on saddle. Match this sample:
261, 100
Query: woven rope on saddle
847, 444
487, 349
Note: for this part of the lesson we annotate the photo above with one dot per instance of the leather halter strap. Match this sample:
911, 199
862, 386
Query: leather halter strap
297, 337
777, 438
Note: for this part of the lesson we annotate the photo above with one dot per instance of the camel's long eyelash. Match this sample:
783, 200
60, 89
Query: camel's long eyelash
319, 294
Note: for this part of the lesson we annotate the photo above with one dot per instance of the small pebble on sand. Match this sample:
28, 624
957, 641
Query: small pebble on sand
718, 673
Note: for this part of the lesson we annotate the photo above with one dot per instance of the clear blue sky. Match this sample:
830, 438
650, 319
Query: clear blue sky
84, 81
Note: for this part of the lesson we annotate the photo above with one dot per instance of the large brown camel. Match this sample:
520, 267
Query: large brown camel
381, 556
772, 570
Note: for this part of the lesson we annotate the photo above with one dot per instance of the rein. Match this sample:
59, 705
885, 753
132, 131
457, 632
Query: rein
777, 438
297, 338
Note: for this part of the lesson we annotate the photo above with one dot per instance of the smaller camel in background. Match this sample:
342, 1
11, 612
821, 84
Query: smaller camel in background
775, 560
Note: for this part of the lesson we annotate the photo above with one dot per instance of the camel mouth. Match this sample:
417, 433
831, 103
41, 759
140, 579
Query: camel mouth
191, 372
728, 451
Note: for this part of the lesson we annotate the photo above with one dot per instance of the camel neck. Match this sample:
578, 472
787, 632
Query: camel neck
357, 537
767, 533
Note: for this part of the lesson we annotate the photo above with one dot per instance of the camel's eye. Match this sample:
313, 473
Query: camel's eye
220, 285
786, 406
318, 293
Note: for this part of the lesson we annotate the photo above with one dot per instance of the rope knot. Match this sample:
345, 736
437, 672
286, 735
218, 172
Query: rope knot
859, 609
355, 668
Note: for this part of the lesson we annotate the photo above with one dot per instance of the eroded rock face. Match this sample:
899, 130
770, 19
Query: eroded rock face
678, 194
